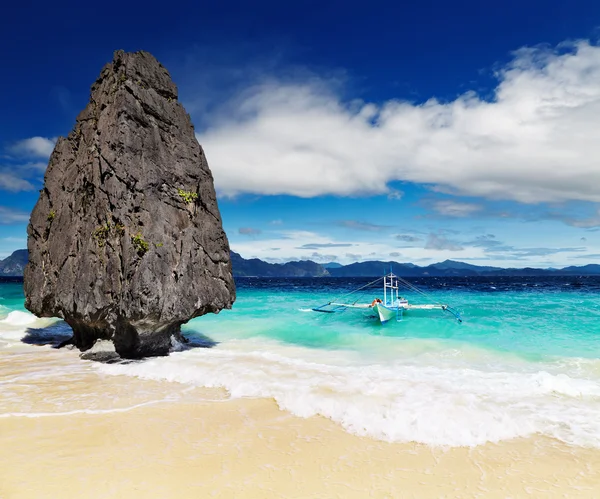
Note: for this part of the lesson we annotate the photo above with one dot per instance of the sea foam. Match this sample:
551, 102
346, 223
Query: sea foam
391, 401
15, 325
18, 318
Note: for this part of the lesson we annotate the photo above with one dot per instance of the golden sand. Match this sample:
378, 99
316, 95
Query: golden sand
164, 440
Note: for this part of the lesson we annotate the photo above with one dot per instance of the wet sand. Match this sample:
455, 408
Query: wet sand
87, 435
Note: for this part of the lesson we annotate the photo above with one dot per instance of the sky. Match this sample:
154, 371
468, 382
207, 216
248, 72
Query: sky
343, 131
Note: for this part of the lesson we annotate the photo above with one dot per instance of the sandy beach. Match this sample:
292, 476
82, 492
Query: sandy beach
152, 439
300, 250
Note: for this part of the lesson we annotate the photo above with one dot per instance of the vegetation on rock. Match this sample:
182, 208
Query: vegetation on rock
140, 245
187, 196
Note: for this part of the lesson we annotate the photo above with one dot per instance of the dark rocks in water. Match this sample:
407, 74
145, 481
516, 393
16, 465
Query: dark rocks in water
126, 242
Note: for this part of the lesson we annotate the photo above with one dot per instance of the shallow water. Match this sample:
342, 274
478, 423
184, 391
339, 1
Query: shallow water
525, 360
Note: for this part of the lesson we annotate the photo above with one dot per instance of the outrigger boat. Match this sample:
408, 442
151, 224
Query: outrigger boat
393, 306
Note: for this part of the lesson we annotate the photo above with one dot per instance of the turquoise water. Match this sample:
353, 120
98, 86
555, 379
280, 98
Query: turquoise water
11, 297
534, 323
525, 359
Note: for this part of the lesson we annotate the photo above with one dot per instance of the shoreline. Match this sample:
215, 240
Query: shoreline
69, 429
201, 445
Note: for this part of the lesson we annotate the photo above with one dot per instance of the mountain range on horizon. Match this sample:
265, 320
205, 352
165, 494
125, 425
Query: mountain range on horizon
14, 265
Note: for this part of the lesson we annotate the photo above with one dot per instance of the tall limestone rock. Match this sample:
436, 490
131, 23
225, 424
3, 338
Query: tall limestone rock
126, 242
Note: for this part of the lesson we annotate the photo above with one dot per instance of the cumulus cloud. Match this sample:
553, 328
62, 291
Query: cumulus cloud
249, 231
536, 140
39, 147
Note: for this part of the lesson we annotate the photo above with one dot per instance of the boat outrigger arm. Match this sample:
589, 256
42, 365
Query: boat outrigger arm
392, 305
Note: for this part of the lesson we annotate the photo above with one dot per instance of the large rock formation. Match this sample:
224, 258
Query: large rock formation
126, 242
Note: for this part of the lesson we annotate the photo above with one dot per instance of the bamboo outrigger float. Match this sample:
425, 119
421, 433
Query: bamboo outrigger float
393, 306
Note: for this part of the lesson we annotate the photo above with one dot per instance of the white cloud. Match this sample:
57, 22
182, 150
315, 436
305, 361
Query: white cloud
407, 238
395, 194
439, 242
455, 208
10, 182
537, 140
19, 177
583, 223
249, 231
291, 245
39, 147
324, 245
359, 225
12, 216
438, 246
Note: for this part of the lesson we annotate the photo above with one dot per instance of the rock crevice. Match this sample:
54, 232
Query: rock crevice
126, 241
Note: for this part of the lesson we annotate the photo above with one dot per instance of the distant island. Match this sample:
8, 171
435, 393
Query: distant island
15, 263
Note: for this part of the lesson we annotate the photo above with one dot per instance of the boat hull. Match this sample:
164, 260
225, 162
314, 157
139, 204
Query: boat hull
386, 314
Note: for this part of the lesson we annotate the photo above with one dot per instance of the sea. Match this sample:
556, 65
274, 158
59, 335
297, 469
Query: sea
524, 361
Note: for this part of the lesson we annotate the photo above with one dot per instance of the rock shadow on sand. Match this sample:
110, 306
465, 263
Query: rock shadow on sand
60, 334
195, 339
56, 335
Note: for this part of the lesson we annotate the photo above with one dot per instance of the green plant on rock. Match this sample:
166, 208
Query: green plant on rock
100, 234
51, 216
140, 245
187, 196
103, 232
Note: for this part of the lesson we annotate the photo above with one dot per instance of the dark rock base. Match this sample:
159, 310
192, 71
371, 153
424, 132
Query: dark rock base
131, 341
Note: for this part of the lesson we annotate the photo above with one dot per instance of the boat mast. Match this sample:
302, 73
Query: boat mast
384, 290
393, 285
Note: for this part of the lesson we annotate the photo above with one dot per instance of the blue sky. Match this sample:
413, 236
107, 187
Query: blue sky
343, 131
